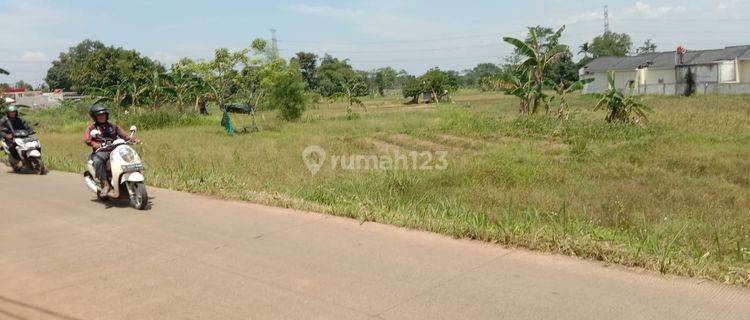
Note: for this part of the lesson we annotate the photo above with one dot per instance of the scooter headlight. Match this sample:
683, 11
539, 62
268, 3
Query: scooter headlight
127, 154
32, 145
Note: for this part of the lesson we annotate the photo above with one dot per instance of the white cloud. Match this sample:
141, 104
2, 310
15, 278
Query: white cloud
165, 58
379, 20
33, 56
585, 17
644, 9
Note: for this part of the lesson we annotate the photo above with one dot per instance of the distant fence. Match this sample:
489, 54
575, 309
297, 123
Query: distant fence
700, 88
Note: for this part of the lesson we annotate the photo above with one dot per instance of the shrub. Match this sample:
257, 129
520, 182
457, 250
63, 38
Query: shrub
159, 118
288, 95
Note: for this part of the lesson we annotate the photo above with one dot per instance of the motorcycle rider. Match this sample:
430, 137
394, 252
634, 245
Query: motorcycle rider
108, 131
9, 124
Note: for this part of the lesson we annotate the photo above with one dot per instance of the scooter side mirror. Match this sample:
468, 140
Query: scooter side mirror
133, 129
95, 133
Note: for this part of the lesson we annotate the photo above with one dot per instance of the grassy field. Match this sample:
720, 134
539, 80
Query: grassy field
671, 196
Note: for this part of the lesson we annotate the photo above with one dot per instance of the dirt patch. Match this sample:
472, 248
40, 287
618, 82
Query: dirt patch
381, 145
468, 143
422, 145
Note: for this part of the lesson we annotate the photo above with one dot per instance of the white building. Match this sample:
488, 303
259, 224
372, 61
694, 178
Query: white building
716, 71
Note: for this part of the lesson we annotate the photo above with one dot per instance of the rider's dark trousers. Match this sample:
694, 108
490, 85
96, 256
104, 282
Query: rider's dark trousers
100, 165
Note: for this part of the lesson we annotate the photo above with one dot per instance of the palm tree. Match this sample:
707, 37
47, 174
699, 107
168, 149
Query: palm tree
585, 48
538, 58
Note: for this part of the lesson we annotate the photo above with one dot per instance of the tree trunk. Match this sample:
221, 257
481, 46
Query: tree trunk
180, 103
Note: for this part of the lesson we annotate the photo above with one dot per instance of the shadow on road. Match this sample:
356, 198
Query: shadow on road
29, 307
122, 203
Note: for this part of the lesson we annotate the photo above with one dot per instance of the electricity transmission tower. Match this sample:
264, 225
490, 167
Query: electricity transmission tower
606, 19
274, 43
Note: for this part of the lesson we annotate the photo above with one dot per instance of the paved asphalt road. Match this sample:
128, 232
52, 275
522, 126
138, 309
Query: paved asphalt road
65, 256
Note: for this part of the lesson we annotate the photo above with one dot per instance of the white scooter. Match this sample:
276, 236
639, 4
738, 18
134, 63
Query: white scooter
29, 149
125, 169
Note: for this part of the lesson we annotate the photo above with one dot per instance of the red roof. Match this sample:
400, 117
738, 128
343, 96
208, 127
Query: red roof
15, 90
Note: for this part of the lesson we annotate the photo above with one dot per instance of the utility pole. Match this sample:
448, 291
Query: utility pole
606, 19
274, 43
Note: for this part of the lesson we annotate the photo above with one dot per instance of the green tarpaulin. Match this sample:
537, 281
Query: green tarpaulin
226, 122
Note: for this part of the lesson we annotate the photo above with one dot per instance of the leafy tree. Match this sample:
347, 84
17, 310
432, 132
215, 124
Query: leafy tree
564, 70
440, 83
474, 76
402, 77
220, 75
333, 74
308, 64
59, 76
648, 47
385, 78
20, 84
622, 108
539, 55
110, 66
412, 89
611, 44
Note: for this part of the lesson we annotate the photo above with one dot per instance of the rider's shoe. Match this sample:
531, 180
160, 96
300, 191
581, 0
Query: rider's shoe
105, 191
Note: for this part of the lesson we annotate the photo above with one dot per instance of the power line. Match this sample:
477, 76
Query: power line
493, 45
498, 57
418, 40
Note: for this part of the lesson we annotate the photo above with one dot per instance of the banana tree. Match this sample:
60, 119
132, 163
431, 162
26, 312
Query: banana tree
198, 89
115, 94
622, 108
182, 81
136, 91
521, 87
538, 59
562, 89
159, 87
349, 94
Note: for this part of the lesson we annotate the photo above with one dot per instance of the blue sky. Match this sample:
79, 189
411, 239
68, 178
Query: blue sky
406, 34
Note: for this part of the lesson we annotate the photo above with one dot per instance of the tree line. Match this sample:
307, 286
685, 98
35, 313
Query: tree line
257, 77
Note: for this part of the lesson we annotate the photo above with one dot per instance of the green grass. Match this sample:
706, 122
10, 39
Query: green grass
671, 196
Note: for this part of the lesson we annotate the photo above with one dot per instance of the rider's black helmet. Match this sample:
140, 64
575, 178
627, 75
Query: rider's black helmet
11, 108
98, 109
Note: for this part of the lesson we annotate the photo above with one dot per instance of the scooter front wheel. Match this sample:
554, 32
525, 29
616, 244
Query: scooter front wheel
138, 195
38, 165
